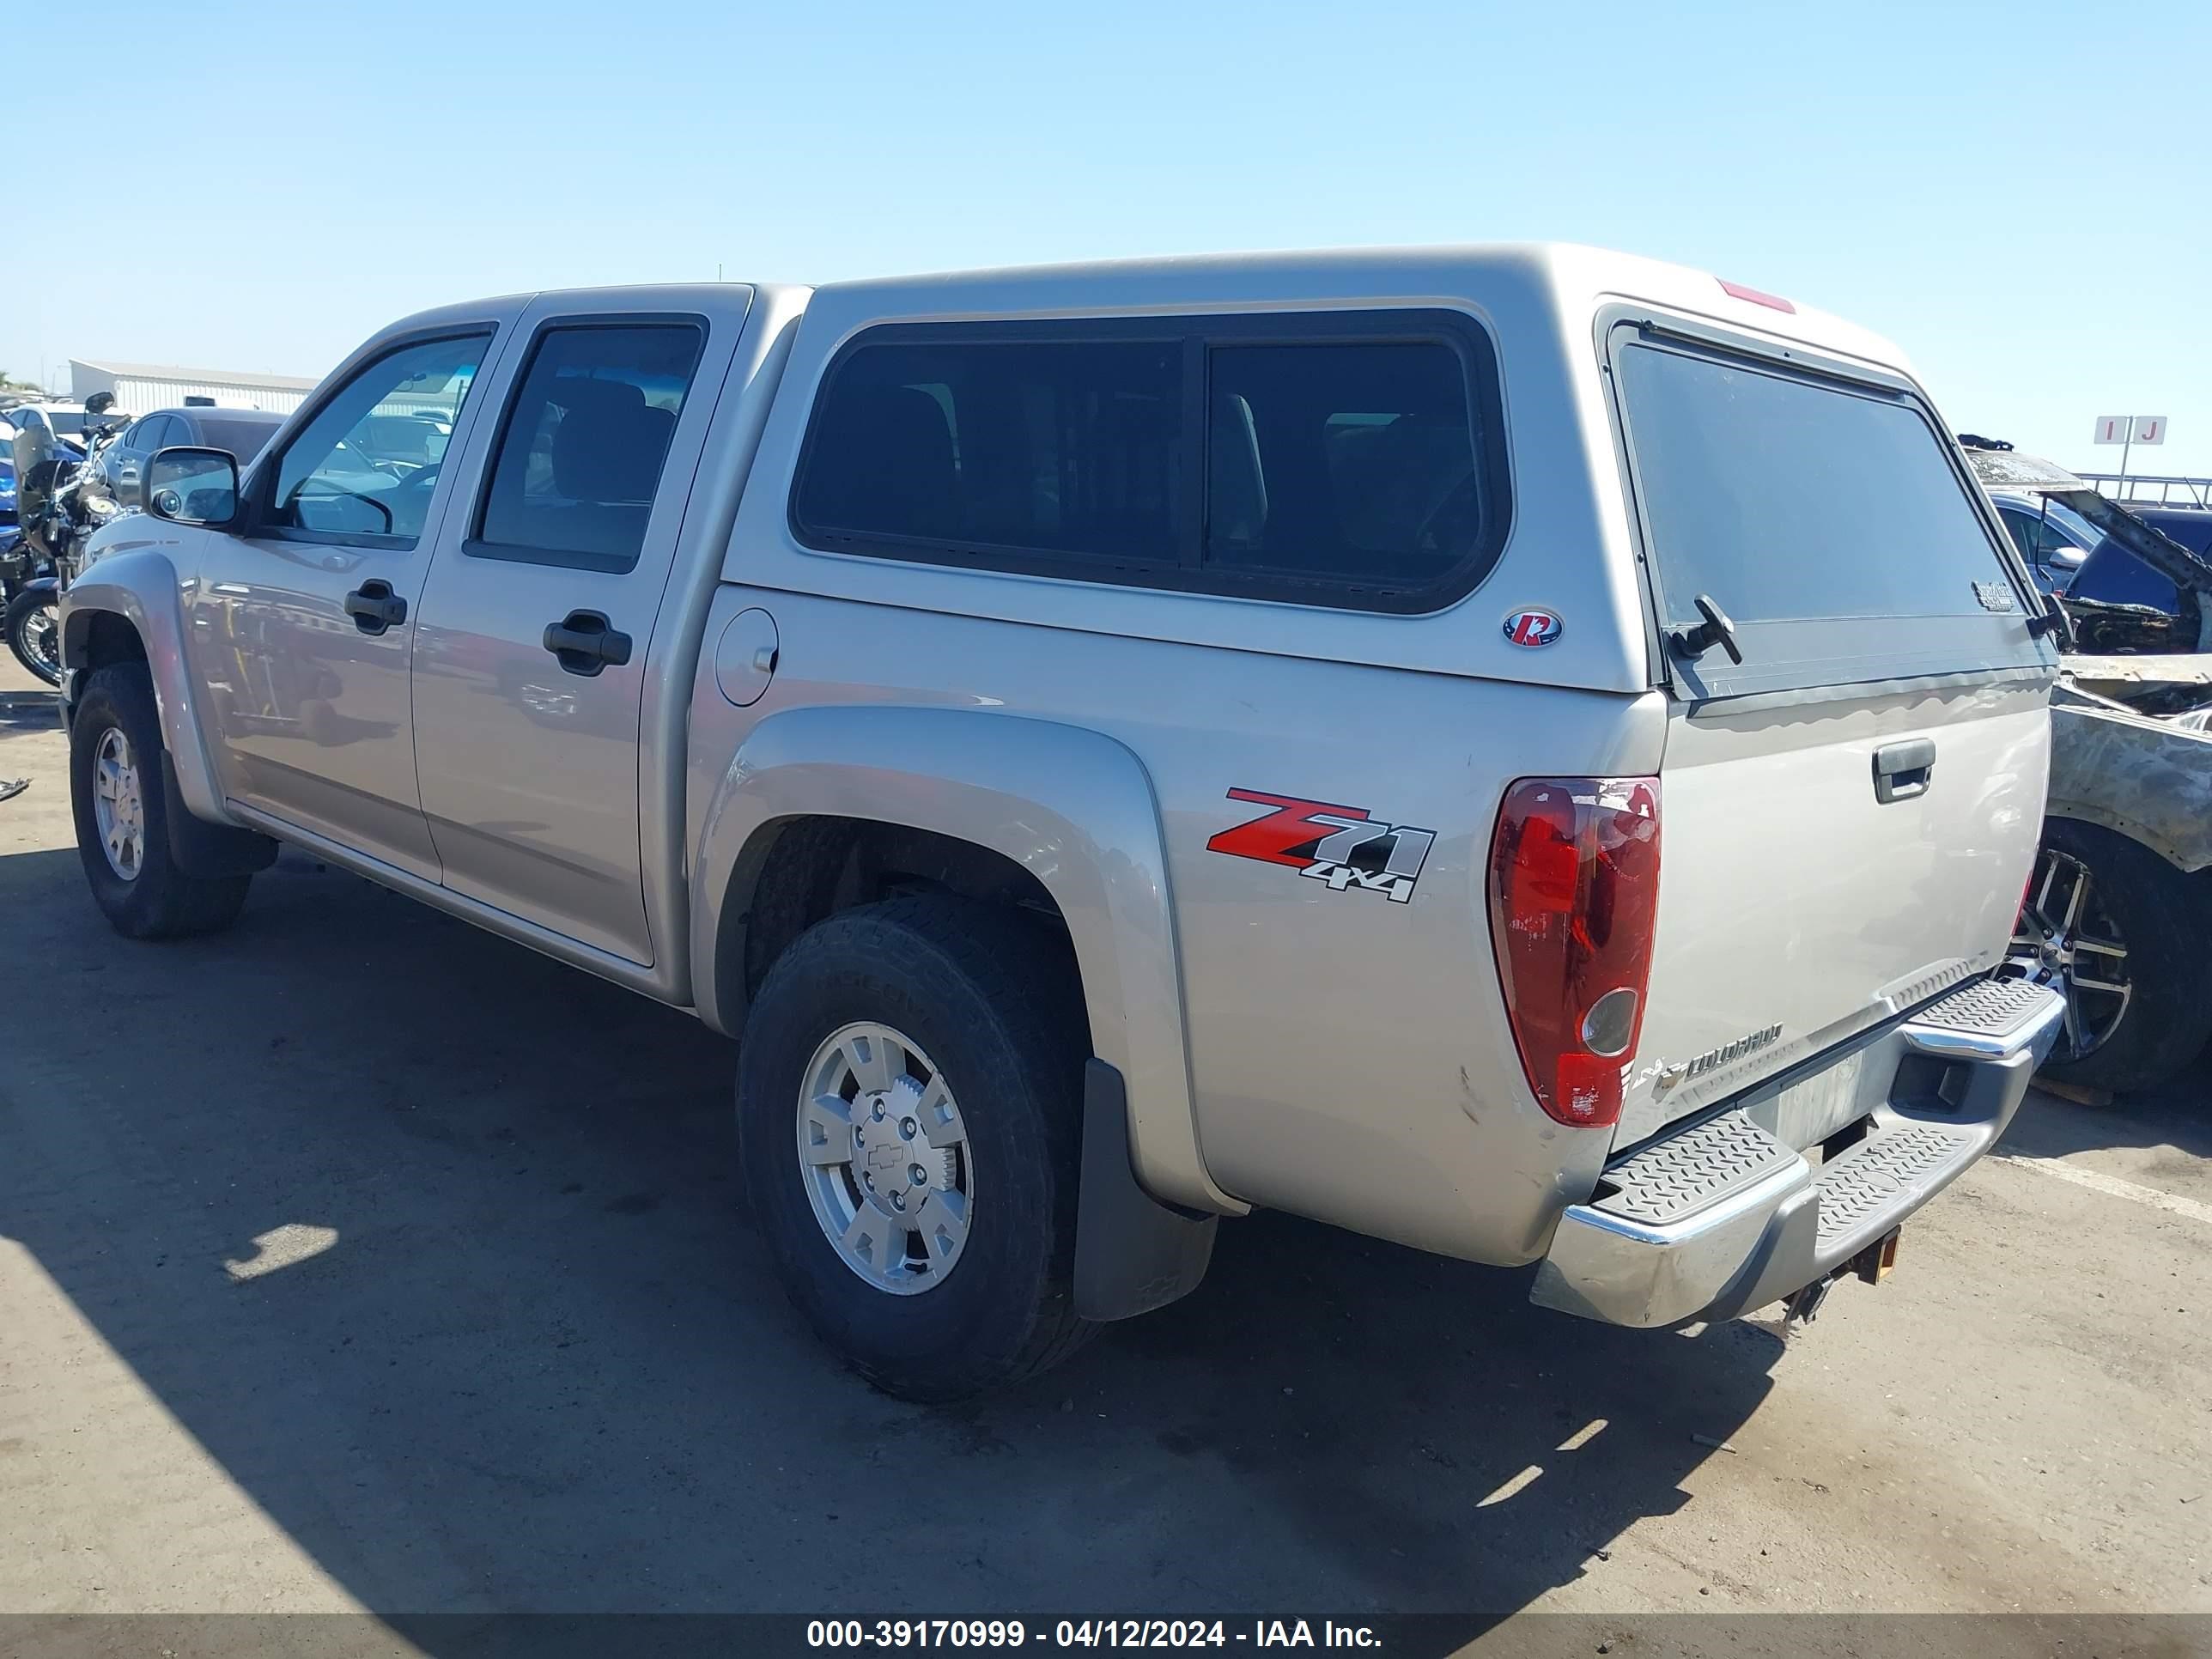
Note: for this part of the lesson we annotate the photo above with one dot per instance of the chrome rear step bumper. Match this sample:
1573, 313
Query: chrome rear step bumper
1724, 1217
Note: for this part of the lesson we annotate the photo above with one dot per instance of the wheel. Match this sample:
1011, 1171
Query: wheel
908, 1115
34, 634
2122, 931
122, 827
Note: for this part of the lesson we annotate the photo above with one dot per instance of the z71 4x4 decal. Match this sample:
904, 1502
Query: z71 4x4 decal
1339, 845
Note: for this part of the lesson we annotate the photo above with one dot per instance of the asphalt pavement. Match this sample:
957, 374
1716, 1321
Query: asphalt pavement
357, 1260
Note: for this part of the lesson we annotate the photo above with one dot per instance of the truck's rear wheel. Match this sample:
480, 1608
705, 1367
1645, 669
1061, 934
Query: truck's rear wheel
2123, 931
909, 1111
122, 823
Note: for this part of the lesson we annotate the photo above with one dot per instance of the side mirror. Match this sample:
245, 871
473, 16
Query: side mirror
100, 402
192, 486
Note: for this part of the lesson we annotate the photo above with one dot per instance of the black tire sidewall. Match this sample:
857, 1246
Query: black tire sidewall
162, 901
20, 610
2163, 916
875, 966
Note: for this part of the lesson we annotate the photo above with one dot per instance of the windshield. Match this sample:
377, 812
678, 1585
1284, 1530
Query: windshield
243, 439
70, 421
1827, 521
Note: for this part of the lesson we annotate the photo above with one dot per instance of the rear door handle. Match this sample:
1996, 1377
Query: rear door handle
374, 607
584, 642
1901, 770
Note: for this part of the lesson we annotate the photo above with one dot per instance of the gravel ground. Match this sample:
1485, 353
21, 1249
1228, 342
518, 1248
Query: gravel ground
356, 1259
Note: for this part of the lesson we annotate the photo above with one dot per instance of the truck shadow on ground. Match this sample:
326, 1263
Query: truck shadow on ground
437, 1248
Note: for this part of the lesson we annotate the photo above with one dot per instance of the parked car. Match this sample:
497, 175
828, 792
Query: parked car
2191, 526
6, 486
47, 428
240, 431
1128, 744
404, 441
2053, 539
2121, 902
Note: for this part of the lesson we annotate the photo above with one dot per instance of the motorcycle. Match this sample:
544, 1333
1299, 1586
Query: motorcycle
59, 506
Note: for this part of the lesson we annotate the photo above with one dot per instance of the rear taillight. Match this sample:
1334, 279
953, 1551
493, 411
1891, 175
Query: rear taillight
1574, 885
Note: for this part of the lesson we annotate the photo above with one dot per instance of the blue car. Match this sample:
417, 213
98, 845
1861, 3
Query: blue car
7, 491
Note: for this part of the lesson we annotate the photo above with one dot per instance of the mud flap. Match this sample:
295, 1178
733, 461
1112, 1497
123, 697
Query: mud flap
200, 849
1132, 1253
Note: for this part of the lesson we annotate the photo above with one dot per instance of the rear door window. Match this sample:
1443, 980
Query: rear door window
587, 434
1828, 521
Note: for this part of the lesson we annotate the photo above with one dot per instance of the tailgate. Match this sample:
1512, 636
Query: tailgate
1797, 906
1852, 787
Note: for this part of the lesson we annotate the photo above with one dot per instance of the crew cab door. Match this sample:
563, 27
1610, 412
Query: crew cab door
537, 623
303, 616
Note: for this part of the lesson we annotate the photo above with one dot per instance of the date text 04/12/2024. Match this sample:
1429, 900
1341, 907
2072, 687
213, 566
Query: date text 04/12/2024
1086, 1634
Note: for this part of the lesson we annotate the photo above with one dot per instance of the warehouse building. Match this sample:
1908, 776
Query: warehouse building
141, 388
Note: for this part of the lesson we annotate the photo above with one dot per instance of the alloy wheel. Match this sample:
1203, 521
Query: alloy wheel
883, 1152
118, 803
2067, 934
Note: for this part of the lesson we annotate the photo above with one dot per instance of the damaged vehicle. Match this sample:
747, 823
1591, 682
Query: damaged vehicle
2119, 906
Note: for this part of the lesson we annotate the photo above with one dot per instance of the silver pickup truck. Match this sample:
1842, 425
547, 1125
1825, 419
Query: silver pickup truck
1417, 739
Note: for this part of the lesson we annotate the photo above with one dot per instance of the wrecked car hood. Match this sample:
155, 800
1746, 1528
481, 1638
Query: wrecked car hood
2128, 749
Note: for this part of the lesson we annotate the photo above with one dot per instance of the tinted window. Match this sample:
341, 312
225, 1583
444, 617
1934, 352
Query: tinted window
1351, 463
243, 439
157, 432
1789, 499
581, 456
326, 481
2115, 576
1065, 447
1337, 459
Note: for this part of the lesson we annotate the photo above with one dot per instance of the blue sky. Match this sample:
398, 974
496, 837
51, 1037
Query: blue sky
2020, 194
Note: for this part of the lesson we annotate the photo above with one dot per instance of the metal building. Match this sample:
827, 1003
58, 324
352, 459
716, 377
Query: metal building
141, 388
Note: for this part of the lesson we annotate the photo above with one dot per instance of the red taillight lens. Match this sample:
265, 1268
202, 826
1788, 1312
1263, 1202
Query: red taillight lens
1574, 886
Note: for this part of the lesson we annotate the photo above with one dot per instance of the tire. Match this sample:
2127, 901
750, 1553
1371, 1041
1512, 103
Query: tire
980, 994
2162, 919
32, 618
156, 900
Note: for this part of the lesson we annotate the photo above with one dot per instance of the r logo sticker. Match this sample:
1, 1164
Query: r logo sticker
1339, 845
1532, 628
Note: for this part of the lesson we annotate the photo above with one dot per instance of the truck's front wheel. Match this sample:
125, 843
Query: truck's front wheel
908, 1095
122, 822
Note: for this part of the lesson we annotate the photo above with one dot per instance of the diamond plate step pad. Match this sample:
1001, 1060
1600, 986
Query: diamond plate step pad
1870, 1177
1683, 1174
1992, 1007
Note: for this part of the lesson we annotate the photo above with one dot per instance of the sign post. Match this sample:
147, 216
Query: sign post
2127, 431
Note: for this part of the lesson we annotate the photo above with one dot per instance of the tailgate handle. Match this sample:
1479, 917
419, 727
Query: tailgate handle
1901, 770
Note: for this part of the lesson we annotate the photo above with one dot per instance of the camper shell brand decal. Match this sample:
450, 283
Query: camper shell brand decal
1340, 846
1532, 628
1673, 1077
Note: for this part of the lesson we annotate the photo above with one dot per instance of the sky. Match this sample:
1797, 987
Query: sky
2019, 195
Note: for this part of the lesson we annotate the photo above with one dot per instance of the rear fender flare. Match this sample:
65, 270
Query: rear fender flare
1073, 807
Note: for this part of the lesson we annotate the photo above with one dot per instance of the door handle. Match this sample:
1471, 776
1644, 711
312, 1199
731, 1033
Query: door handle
1901, 770
584, 642
375, 607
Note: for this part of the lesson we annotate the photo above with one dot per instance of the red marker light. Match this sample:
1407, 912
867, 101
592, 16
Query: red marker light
1738, 291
